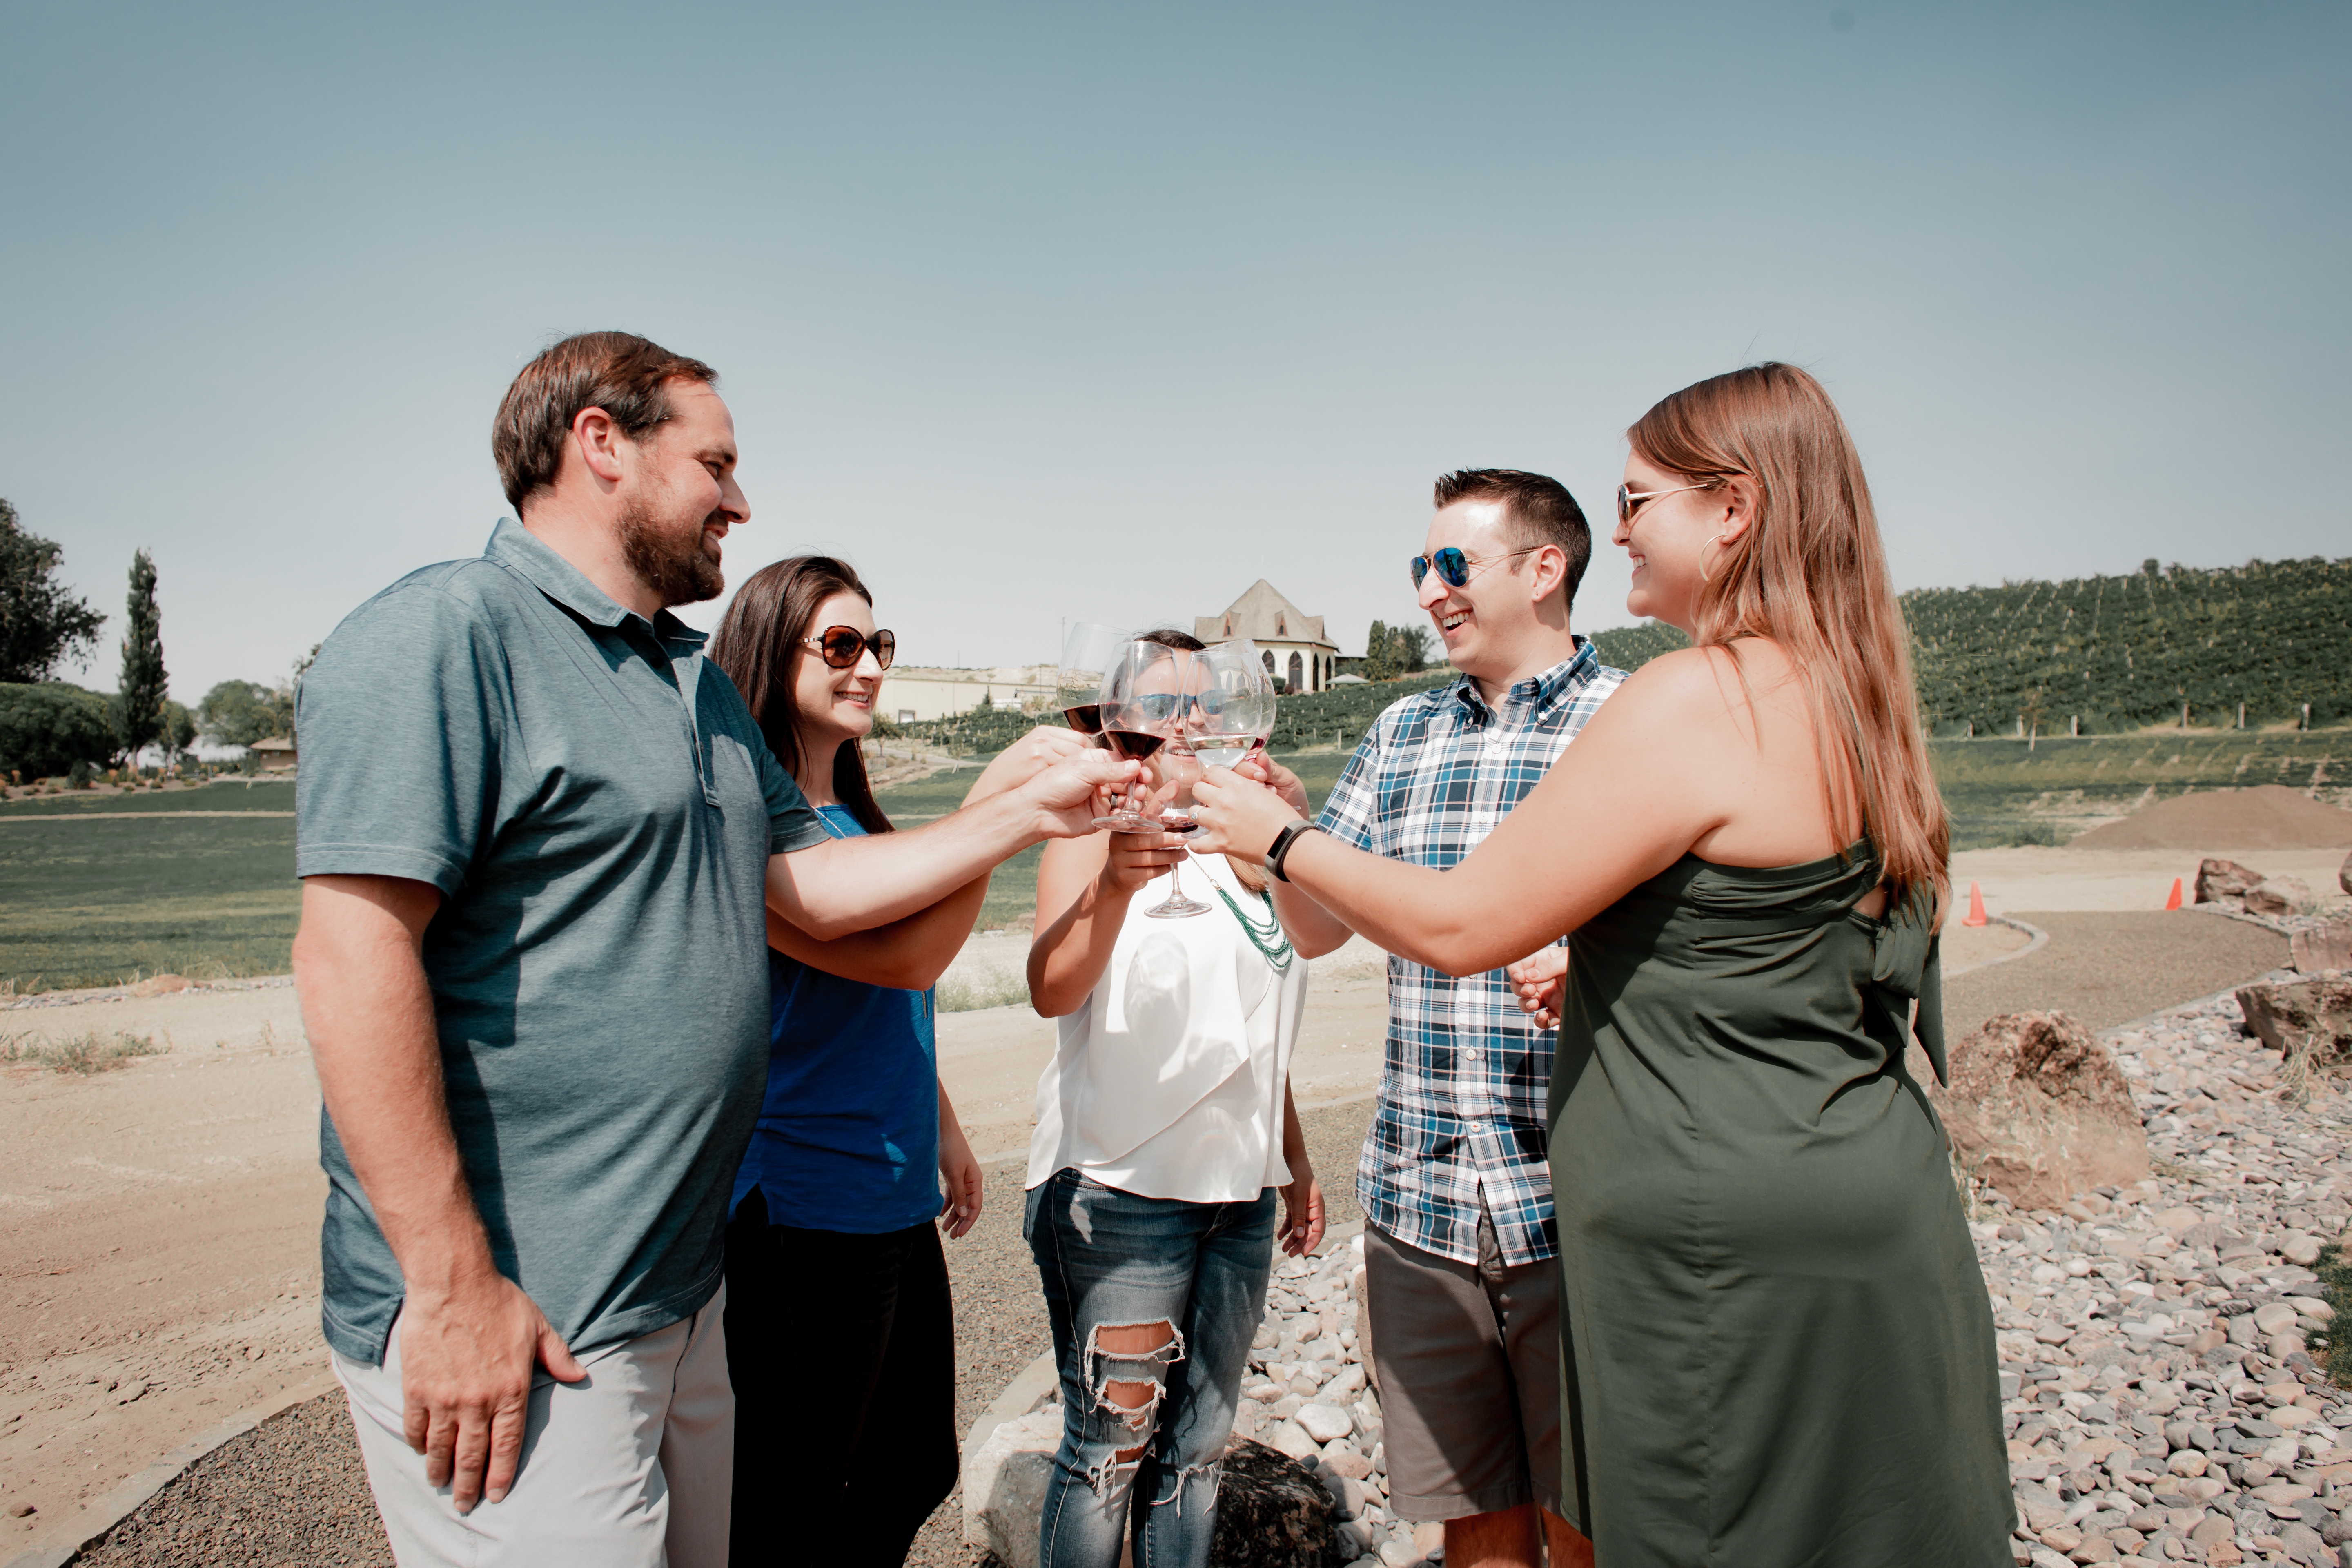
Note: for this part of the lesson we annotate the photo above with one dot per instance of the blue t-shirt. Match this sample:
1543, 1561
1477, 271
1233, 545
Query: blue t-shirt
848, 1137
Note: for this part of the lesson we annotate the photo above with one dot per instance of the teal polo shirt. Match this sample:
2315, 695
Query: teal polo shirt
598, 808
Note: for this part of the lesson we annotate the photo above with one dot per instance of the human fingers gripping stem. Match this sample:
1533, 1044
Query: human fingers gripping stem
1136, 859
1281, 779
1066, 793
1238, 817
468, 1354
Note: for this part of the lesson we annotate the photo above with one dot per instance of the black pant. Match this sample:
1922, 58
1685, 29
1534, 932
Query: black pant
842, 1350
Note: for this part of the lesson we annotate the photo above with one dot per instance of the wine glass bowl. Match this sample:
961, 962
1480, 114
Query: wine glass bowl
1138, 704
1087, 655
1232, 707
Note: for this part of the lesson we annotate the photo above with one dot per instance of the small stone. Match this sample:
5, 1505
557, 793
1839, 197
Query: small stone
128, 1392
2273, 1317
2300, 1249
1289, 1437
19, 1509
2303, 1543
2187, 1462
1353, 1466
1324, 1423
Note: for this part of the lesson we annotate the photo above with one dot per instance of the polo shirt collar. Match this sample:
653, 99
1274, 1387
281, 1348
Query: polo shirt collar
532, 558
1538, 692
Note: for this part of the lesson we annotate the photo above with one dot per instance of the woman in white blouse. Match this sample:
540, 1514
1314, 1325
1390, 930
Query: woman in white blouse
1164, 1128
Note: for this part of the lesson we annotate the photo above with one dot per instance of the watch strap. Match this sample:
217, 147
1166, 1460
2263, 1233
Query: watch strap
1279, 850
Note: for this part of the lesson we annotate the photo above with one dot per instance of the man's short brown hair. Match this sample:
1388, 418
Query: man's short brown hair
1538, 509
622, 374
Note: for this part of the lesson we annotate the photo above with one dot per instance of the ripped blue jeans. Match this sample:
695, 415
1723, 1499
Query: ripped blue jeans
1147, 1424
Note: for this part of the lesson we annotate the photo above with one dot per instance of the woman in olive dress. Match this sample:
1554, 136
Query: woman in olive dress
1778, 1346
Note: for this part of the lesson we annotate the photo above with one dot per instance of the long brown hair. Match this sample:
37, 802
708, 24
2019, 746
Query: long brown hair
756, 644
1811, 575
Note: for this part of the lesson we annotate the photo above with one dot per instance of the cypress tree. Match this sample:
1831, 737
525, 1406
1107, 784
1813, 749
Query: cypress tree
138, 702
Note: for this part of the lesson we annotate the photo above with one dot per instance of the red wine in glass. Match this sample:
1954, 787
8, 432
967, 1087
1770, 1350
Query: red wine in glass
1135, 745
1086, 718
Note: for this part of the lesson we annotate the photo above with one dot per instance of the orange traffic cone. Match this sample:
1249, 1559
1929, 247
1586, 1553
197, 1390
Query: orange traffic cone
2174, 901
1976, 915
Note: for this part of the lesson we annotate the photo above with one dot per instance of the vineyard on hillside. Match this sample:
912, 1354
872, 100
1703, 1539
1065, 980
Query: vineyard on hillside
2107, 654
2118, 653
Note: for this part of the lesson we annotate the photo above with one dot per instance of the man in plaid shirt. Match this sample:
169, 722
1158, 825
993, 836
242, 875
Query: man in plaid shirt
1455, 1178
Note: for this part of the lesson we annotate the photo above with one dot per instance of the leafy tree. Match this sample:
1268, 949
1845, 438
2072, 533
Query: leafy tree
179, 728
45, 729
1413, 648
239, 712
41, 625
139, 701
1380, 653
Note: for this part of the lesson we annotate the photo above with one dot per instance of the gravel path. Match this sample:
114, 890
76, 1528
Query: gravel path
293, 1491
2109, 969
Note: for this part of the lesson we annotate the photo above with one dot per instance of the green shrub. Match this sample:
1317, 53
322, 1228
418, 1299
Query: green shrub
47, 728
78, 776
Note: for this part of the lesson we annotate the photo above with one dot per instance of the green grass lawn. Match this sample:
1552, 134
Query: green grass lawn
100, 903
222, 795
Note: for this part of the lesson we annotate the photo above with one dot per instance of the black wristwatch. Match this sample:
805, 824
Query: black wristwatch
1280, 847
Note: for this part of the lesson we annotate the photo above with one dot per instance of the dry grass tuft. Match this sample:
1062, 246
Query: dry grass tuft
85, 1053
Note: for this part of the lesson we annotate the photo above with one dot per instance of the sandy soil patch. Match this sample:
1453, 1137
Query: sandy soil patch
159, 1224
2266, 817
2034, 877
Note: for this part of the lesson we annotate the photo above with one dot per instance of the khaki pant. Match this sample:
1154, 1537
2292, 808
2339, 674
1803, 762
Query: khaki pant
631, 1467
1468, 1357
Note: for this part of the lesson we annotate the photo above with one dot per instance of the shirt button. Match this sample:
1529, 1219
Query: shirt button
1469, 1056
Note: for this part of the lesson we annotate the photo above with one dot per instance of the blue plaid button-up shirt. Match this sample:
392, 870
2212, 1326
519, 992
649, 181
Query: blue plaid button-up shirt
1465, 1074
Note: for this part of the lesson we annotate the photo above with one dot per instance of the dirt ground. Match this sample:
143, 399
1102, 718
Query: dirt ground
159, 1222
158, 1241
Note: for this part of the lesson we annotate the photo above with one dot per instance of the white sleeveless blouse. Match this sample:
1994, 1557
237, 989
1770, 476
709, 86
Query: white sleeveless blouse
1168, 1081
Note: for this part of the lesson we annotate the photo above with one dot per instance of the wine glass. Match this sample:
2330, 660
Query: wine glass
1087, 655
1178, 770
1139, 706
1232, 705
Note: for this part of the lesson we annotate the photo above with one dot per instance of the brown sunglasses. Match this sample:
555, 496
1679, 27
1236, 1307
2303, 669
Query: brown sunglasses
843, 646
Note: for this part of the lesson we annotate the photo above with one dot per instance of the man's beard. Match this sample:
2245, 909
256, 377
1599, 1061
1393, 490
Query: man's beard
673, 564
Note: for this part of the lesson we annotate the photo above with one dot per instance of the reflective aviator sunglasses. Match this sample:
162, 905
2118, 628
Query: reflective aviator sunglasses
1454, 568
1162, 705
844, 646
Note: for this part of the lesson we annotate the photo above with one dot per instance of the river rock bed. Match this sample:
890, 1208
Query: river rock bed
2161, 1392
2160, 1387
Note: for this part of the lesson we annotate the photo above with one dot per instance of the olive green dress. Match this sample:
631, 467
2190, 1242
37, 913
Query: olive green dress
1777, 1349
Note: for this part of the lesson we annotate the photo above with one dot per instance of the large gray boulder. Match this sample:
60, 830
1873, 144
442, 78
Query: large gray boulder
2039, 1108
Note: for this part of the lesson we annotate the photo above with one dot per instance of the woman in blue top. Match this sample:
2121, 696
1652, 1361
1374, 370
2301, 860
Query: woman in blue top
840, 1331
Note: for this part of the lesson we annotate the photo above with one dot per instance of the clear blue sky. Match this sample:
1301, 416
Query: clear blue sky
1104, 311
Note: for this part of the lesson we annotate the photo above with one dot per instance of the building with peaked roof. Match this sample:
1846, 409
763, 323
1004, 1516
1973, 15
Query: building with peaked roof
1292, 641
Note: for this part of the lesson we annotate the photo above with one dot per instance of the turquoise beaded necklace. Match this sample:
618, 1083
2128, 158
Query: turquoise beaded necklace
1279, 952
